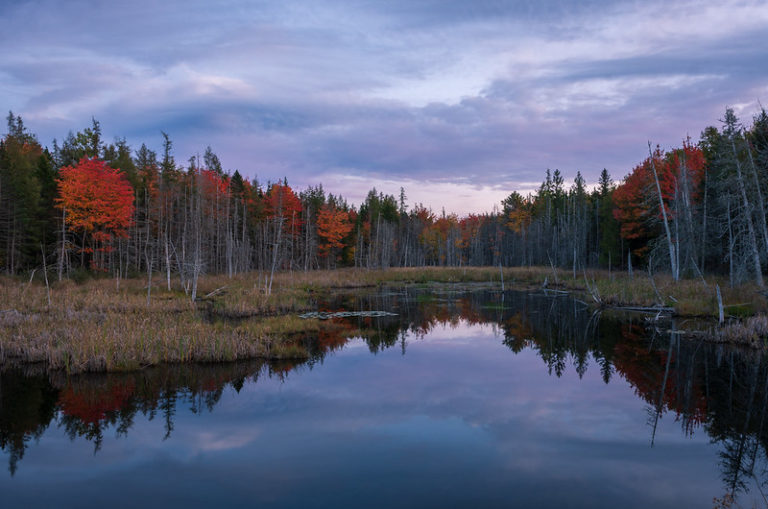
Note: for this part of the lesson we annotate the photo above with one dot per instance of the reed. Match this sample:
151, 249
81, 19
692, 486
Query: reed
102, 326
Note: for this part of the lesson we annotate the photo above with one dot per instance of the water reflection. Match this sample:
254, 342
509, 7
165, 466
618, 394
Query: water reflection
714, 389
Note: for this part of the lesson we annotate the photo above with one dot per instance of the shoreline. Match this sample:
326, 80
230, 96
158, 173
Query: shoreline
117, 325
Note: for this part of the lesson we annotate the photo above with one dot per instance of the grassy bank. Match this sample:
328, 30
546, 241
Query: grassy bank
104, 324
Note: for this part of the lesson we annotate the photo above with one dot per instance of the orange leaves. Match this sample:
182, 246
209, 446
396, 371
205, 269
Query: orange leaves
631, 205
635, 199
519, 211
437, 232
470, 229
97, 199
332, 226
213, 183
31, 149
283, 203
518, 219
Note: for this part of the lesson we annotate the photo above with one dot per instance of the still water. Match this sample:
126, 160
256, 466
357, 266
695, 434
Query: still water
463, 399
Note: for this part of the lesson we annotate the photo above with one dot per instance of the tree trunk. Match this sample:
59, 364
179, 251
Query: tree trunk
672, 254
752, 239
760, 201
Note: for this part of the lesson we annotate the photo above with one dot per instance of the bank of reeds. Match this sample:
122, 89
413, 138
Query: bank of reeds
104, 324
751, 331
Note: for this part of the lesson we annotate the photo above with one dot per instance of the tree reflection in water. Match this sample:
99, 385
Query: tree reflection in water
715, 388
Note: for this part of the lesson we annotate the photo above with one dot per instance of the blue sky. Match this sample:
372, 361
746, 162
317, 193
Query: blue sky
459, 102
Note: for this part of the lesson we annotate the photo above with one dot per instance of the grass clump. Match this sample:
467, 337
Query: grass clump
752, 332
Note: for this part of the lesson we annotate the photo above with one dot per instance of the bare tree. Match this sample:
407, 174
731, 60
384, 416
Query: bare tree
674, 267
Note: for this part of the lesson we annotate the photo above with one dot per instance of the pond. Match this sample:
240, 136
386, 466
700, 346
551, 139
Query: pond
464, 398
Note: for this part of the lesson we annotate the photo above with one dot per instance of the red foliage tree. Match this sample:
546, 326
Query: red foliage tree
97, 202
631, 207
213, 183
332, 226
636, 201
470, 229
214, 189
282, 203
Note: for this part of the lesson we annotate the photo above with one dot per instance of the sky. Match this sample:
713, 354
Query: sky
459, 102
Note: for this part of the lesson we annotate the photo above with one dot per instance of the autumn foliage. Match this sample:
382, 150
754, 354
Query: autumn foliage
333, 225
199, 218
636, 199
97, 201
213, 183
283, 204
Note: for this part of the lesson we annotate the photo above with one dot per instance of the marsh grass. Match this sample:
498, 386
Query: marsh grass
100, 325
752, 331
688, 297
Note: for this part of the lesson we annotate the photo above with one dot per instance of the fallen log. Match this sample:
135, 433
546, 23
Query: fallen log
641, 309
324, 315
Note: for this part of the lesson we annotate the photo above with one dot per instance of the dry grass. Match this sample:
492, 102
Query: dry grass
689, 297
102, 325
752, 332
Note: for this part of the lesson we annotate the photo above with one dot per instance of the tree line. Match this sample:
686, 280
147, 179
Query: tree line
86, 205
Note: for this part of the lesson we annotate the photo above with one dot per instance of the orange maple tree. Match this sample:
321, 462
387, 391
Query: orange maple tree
332, 226
97, 201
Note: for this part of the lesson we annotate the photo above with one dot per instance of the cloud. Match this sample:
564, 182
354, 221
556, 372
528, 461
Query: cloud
468, 96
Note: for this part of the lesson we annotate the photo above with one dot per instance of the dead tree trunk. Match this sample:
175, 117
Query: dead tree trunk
63, 247
752, 239
760, 201
670, 245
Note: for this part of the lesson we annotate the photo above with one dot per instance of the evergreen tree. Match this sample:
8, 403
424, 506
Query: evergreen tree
21, 203
608, 227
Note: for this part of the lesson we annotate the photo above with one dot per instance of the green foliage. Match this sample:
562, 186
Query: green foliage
25, 180
86, 143
608, 226
379, 206
313, 198
118, 155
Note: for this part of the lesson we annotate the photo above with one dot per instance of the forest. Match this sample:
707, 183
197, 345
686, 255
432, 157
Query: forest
86, 206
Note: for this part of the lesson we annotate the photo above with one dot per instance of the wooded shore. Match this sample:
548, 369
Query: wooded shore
108, 324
